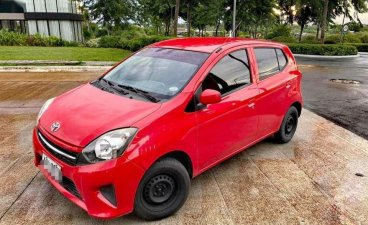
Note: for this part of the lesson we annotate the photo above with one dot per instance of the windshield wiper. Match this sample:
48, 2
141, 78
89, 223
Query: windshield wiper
114, 86
145, 94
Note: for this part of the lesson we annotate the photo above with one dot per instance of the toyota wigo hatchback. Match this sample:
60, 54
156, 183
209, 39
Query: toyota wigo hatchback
133, 139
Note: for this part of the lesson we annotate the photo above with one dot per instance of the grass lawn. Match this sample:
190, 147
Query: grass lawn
61, 53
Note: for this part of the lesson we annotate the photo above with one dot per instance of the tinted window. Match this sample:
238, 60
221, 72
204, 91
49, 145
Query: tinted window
281, 57
267, 62
160, 72
230, 73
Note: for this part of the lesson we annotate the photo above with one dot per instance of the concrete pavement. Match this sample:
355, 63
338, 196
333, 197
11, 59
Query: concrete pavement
312, 180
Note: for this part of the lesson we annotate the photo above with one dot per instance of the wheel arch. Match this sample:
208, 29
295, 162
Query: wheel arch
182, 157
298, 106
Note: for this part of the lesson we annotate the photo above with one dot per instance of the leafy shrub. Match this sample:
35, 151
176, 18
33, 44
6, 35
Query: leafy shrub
335, 39
138, 43
132, 44
132, 34
318, 49
109, 42
281, 30
93, 43
284, 39
332, 39
363, 36
352, 38
12, 38
361, 47
309, 39
87, 34
17, 39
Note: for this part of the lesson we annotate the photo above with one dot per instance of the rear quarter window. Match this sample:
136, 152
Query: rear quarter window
282, 59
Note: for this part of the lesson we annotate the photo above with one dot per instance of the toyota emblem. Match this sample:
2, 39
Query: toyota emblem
55, 126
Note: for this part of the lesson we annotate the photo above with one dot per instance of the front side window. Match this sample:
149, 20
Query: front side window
229, 74
159, 72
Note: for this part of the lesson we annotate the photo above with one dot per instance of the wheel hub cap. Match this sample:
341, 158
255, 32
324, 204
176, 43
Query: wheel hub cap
289, 125
159, 189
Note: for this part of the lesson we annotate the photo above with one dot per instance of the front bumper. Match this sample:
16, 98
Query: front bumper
86, 185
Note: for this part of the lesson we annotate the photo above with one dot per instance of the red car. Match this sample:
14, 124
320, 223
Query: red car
133, 139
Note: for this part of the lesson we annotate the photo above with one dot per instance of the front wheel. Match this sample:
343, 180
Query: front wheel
163, 190
288, 126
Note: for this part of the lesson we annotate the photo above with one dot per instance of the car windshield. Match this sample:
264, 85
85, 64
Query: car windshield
159, 72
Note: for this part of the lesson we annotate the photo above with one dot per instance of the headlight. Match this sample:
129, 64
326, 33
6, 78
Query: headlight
44, 108
109, 146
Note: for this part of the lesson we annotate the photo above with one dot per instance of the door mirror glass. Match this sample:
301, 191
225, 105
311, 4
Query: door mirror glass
210, 96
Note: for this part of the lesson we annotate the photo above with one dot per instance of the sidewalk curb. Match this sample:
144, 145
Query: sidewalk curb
56, 63
325, 57
53, 68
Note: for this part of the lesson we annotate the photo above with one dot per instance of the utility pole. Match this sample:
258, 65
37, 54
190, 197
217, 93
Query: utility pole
234, 20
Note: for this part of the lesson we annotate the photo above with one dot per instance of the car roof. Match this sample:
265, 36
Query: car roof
208, 44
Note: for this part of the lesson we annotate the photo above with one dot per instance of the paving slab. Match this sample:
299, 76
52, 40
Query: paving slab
311, 180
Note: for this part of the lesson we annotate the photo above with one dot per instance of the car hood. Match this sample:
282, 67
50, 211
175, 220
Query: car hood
87, 112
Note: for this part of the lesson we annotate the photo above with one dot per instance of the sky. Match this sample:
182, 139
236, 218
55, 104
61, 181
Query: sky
363, 17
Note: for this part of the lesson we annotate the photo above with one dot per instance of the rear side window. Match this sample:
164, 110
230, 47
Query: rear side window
270, 61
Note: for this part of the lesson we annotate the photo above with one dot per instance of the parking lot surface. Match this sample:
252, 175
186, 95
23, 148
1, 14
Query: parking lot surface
320, 177
344, 104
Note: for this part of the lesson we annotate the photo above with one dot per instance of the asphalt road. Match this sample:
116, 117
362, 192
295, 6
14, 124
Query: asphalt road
344, 104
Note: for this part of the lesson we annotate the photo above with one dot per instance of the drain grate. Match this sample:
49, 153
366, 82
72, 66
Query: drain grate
345, 81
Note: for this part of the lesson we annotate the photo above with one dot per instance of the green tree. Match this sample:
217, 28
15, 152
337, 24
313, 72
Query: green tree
254, 15
286, 8
156, 12
200, 18
111, 13
307, 12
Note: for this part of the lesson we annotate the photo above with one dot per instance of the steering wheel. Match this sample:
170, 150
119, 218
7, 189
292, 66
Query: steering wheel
225, 86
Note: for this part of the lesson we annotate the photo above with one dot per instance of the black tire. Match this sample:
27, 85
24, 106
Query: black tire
288, 126
163, 190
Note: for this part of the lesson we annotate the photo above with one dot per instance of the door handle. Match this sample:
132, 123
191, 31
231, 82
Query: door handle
252, 105
288, 85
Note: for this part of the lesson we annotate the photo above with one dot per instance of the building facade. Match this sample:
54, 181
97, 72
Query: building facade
60, 18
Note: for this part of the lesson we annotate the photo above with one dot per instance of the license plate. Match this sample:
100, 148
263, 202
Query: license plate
52, 167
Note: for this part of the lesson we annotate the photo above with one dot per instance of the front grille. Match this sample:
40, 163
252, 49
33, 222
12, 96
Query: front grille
70, 186
60, 153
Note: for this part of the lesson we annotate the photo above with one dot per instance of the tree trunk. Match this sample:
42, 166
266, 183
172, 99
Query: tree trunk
324, 21
176, 18
189, 19
167, 28
301, 31
217, 28
317, 34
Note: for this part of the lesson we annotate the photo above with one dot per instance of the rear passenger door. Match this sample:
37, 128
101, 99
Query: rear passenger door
273, 83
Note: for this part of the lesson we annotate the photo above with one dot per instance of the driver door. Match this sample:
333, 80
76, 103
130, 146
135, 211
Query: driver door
227, 127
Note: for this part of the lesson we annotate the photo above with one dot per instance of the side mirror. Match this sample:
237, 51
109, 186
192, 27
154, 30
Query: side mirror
210, 96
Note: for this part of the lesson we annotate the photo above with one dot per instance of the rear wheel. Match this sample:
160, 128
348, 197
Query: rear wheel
163, 190
288, 126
